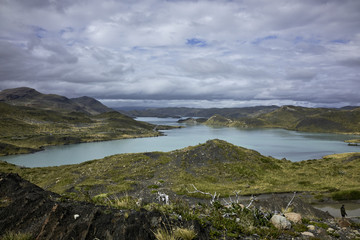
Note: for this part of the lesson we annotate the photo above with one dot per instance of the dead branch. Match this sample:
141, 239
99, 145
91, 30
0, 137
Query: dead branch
162, 197
252, 199
213, 196
231, 200
288, 205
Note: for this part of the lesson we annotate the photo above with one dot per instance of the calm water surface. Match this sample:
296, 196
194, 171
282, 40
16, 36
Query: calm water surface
352, 209
279, 143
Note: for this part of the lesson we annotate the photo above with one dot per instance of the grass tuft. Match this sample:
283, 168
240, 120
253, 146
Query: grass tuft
163, 234
16, 236
184, 233
175, 234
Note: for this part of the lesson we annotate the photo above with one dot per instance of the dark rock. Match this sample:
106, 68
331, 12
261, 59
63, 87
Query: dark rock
46, 216
344, 222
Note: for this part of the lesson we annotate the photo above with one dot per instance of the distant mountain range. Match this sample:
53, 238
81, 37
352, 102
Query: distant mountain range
29, 97
178, 112
335, 120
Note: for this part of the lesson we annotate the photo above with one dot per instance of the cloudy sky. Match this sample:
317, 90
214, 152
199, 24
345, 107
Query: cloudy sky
216, 53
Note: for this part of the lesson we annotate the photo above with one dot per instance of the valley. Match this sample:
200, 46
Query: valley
209, 187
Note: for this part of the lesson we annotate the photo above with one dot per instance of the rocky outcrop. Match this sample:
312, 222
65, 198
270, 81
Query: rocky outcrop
26, 208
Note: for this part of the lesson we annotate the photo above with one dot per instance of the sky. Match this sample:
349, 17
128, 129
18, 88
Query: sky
190, 53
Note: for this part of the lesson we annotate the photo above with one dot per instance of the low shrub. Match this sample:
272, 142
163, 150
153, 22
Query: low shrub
346, 195
16, 236
320, 224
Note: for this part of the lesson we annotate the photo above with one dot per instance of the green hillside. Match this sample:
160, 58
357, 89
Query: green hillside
91, 105
301, 119
31, 120
29, 97
27, 129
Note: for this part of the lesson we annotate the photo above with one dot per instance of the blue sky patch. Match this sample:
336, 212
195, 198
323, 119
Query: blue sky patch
259, 40
196, 42
311, 40
65, 30
340, 41
39, 32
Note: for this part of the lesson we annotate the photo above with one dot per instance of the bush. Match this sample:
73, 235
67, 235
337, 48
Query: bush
346, 195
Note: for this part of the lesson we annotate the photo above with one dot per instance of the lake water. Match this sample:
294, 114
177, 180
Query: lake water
279, 143
352, 209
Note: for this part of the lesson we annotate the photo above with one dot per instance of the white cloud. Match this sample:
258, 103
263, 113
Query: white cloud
214, 52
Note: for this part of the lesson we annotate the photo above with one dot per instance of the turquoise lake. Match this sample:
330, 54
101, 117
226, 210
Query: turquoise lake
278, 143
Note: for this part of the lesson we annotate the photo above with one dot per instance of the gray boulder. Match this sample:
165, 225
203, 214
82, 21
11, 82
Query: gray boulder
280, 222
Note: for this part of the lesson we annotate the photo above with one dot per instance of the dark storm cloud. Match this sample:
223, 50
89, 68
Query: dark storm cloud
223, 53
351, 62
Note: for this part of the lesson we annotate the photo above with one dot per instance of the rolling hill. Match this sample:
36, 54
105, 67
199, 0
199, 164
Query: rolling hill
31, 98
299, 119
31, 120
334, 120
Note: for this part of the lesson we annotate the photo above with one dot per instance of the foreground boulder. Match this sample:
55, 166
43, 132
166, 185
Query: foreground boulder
293, 217
344, 222
280, 222
26, 208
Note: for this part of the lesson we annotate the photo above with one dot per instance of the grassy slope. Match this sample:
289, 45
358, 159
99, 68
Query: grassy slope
215, 166
302, 119
25, 129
